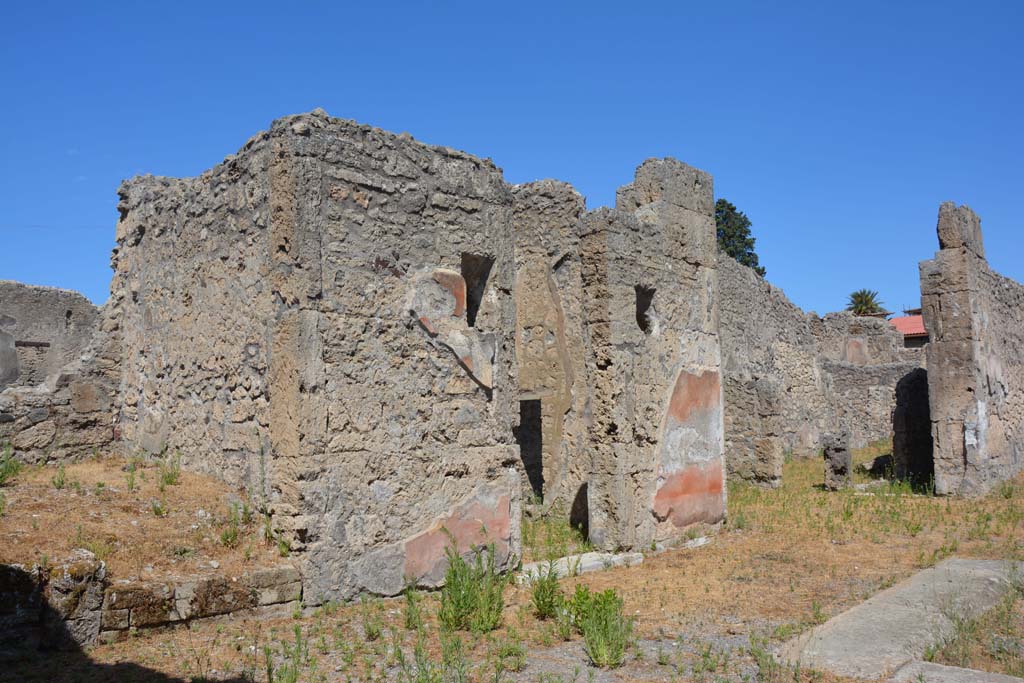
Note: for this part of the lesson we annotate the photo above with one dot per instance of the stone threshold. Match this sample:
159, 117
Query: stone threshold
891, 630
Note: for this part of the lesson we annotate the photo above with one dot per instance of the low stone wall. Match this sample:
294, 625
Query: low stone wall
74, 603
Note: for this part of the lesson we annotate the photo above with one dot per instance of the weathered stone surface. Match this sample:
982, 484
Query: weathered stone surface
651, 306
894, 627
838, 461
42, 329
72, 603
37, 436
52, 607
575, 565
74, 593
69, 365
959, 227
149, 604
930, 672
975, 361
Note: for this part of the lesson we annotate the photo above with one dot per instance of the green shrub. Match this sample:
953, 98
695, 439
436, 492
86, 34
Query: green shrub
159, 508
130, 476
412, 612
58, 480
373, 624
170, 470
579, 606
607, 632
546, 596
511, 653
9, 467
453, 658
3, 504
422, 669
563, 621
229, 536
472, 595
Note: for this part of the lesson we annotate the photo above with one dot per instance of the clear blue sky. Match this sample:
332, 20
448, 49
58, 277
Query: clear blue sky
837, 129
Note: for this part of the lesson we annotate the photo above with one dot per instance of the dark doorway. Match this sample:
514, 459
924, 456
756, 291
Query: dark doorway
579, 513
912, 430
644, 298
475, 271
530, 438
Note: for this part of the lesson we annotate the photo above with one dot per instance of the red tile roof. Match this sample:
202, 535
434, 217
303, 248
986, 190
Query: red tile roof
910, 325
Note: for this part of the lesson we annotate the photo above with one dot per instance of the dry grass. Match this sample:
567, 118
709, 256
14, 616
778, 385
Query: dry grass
994, 642
788, 558
551, 536
127, 520
797, 555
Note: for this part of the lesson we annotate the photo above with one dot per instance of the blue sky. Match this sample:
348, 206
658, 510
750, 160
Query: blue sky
837, 128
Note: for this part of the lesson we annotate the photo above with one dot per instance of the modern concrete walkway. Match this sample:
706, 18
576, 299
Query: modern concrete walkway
893, 628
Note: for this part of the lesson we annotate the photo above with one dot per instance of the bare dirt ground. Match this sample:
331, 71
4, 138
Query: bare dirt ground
146, 520
787, 559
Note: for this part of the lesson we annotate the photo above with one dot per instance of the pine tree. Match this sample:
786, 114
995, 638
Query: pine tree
733, 231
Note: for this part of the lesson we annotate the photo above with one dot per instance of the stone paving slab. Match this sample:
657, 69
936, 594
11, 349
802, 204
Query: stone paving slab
574, 565
927, 672
894, 627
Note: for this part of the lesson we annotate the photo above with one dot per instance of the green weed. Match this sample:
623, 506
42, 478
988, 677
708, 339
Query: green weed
472, 595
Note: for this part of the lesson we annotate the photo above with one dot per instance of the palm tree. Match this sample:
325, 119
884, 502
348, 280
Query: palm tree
864, 302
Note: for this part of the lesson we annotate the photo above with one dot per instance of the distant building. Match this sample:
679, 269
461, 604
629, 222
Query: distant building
911, 326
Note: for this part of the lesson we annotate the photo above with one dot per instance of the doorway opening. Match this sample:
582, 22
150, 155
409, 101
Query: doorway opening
529, 435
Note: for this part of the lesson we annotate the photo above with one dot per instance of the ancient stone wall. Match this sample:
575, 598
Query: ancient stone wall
651, 289
551, 344
791, 377
297, 322
63, 359
42, 329
775, 398
388, 344
975, 360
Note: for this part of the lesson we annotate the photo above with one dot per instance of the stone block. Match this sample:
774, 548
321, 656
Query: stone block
838, 461
959, 227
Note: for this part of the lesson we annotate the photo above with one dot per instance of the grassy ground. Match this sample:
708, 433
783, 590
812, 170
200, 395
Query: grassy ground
995, 642
787, 559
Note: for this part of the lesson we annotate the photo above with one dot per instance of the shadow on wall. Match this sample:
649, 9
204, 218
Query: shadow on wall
36, 644
579, 514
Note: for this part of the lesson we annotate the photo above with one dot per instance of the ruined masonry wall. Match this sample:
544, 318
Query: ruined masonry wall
298, 325
651, 297
792, 377
975, 360
390, 347
60, 355
41, 330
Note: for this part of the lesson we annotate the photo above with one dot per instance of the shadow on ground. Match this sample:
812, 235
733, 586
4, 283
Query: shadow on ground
36, 644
